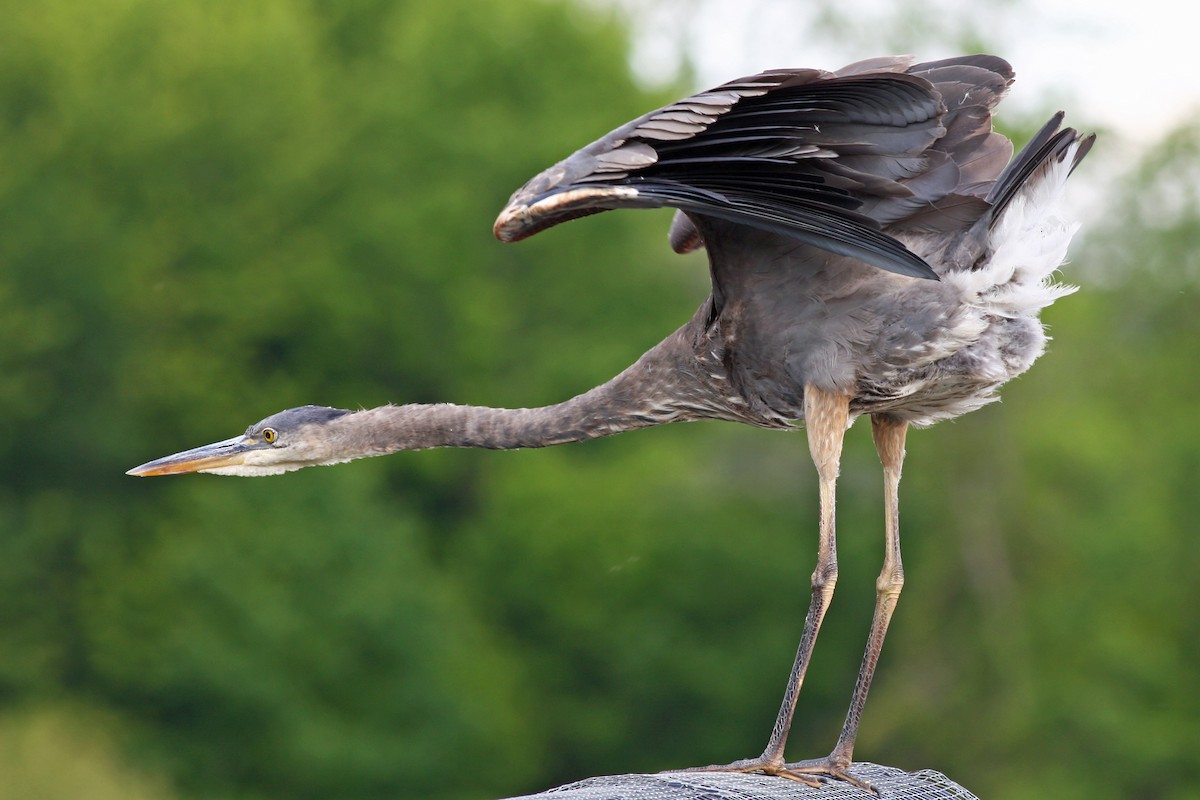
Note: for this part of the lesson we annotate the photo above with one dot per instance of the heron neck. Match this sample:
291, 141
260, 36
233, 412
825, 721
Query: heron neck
419, 426
661, 387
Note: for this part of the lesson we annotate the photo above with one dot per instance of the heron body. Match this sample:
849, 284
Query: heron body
874, 249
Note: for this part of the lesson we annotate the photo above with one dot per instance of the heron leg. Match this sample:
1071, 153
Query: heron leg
826, 417
888, 432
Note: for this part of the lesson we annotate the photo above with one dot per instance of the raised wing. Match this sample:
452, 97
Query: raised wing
826, 158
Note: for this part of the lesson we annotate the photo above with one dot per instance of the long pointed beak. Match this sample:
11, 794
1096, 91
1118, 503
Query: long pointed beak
229, 453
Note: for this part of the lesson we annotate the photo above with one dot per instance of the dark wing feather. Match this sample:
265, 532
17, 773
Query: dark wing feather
1047, 145
948, 197
835, 160
808, 154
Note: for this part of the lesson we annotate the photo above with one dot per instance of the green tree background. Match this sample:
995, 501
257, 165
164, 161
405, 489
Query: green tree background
210, 211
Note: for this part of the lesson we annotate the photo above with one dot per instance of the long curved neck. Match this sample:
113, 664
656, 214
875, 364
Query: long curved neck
663, 386
419, 426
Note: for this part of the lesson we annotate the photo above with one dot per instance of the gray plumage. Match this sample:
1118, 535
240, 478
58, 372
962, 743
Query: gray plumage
872, 248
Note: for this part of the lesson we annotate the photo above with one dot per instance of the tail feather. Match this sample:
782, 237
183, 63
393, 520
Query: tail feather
1049, 145
1026, 238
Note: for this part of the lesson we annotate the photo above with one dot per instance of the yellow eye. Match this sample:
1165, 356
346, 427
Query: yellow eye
269, 435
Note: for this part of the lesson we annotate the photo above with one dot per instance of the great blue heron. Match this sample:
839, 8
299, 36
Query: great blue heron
872, 251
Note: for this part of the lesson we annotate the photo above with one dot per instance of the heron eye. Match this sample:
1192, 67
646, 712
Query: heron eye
269, 435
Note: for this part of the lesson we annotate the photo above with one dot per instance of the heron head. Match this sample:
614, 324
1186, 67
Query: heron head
290, 440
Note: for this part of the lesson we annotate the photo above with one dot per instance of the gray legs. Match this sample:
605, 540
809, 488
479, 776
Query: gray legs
888, 433
826, 418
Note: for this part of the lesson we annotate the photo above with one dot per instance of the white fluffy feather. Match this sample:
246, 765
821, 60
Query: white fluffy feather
1027, 244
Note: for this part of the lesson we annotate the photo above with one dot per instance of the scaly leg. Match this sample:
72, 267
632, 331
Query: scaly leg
888, 432
826, 417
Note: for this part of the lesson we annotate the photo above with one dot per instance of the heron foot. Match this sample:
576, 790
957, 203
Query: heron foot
762, 766
828, 767
812, 772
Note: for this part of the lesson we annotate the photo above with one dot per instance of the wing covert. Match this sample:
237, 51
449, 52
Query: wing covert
825, 158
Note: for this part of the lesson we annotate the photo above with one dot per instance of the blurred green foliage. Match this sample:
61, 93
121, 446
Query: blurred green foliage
212, 211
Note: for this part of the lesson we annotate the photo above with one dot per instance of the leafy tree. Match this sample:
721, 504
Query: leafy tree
216, 210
